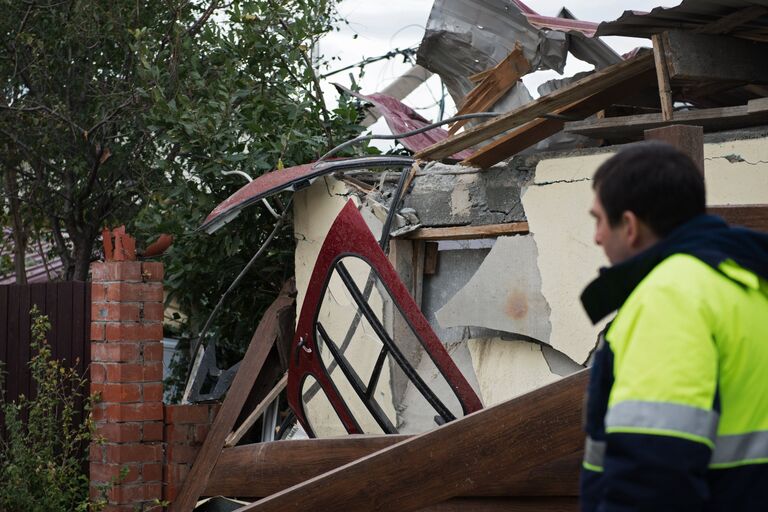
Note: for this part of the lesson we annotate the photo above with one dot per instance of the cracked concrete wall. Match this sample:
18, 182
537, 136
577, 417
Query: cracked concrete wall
557, 203
452, 195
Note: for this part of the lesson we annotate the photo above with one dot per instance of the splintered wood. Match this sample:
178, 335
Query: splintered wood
493, 85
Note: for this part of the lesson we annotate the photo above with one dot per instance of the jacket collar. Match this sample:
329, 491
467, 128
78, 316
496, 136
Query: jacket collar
705, 237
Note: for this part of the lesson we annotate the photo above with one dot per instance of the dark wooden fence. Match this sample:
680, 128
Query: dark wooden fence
67, 305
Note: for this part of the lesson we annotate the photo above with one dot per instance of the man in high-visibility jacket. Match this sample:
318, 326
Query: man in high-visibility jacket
677, 412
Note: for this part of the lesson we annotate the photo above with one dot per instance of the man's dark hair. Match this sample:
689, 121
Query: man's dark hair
655, 181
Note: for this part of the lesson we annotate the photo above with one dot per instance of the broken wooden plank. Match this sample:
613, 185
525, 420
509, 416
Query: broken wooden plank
253, 417
757, 106
729, 23
688, 139
537, 504
662, 76
704, 57
539, 129
494, 85
752, 216
711, 119
258, 350
524, 433
574, 92
431, 257
261, 469
468, 232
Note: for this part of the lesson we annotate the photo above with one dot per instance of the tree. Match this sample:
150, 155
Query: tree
109, 109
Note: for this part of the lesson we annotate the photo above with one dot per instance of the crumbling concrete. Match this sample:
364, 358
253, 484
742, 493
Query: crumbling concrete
452, 195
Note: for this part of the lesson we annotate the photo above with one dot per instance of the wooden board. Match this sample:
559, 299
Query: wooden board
754, 216
468, 232
258, 350
495, 83
539, 504
599, 81
704, 57
262, 469
520, 435
539, 129
662, 76
711, 119
686, 138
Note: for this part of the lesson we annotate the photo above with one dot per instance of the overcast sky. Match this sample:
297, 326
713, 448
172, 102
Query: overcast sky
381, 26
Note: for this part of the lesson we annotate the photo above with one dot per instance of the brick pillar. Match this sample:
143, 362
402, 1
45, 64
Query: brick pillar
127, 371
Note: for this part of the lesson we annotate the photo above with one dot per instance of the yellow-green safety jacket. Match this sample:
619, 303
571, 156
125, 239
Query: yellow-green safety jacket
677, 412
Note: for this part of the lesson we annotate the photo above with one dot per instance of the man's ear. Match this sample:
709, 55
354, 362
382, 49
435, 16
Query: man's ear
631, 228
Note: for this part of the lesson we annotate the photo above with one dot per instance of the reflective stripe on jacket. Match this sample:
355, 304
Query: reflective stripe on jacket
677, 414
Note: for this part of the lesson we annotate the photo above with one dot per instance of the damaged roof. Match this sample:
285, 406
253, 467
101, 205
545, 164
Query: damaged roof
747, 19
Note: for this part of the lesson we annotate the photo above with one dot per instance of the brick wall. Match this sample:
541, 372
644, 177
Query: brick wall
185, 429
151, 444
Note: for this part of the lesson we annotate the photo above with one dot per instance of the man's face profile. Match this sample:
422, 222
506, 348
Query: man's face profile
613, 239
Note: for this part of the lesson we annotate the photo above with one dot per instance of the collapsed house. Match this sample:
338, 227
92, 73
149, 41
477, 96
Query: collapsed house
432, 287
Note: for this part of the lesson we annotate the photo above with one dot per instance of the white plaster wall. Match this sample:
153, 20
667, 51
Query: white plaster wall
557, 207
506, 369
739, 182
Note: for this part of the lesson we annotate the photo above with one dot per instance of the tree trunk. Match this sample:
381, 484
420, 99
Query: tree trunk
82, 257
19, 229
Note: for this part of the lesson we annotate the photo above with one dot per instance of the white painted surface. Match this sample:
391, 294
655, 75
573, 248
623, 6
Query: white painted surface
506, 369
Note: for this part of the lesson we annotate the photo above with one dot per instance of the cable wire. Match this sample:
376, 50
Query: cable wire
423, 129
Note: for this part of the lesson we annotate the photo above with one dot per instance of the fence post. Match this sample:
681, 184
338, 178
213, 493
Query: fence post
127, 371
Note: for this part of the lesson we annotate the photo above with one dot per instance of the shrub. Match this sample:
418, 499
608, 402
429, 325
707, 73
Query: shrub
43, 455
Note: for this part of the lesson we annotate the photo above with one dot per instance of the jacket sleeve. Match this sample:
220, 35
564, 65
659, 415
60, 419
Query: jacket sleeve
661, 421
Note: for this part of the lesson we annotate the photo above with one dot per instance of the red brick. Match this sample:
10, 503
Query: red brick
186, 413
97, 331
98, 373
135, 292
96, 453
153, 392
134, 493
153, 351
124, 372
116, 271
121, 393
152, 472
152, 271
153, 311
116, 508
114, 352
201, 431
135, 412
179, 434
134, 331
114, 472
115, 311
181, 454
152, 431
120, 432
98, 292
121, 453
176, 473
99, 412
134, 372
153, 371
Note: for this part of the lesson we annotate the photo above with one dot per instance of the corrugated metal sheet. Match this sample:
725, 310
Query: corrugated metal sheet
401, 119
40, 266
690, 14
